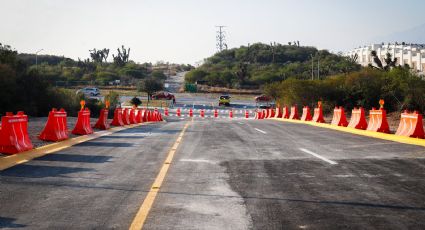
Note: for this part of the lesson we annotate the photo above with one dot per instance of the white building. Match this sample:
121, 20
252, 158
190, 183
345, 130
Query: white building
411, 54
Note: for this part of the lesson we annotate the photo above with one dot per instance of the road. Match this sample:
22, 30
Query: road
226, 174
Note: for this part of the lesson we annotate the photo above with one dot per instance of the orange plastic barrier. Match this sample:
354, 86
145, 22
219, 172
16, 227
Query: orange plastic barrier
132, 116
378, 121
125, 117
83, 127
102, 123
14, 136
358, 119
306, 116
411, 125
339, 118
139, 117
56, 128
117, 121
318, 115
294, 113
278, 113
285, 112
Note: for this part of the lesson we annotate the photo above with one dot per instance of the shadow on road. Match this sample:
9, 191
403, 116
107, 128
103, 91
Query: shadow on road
74, 158
38, 171
9, 223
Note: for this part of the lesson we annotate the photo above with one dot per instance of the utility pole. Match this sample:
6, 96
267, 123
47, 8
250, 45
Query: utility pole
312, 66
36, 56
221, 39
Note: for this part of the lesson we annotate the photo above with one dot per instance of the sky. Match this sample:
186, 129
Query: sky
183, 31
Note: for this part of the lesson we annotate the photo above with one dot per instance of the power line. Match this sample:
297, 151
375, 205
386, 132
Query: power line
221, 39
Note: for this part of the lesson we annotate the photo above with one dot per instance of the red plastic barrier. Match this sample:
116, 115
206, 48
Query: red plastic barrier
271, 113
190, 112
83, 127
285, 112
278, 113
294, 113
358, 119
117, 121
102, 123
246, 114
215, 113
145, 115
318, 115
202, 113
125, 117
378, 121
14, 136
166, 112
230, 114
411, 125
178, 112
132, 116
339, 118
306, 116
56, 128
139, 116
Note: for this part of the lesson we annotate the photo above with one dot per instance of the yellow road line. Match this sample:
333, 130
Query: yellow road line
142, 213
383, 136
20, 158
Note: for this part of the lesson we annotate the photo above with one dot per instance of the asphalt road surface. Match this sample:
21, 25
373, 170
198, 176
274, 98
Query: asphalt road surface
226, 174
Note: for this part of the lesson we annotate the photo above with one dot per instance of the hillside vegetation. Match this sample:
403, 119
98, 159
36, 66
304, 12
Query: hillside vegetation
255, 65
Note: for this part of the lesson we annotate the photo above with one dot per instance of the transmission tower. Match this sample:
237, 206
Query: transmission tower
221, 39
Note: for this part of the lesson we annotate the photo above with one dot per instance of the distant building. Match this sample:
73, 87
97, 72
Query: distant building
411, 54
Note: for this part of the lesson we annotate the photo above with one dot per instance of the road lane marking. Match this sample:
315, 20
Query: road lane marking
240, 123
318, 156
261, 131
143, 212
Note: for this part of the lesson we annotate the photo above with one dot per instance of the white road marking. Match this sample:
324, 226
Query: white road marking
240, 123
318, 156
261, 131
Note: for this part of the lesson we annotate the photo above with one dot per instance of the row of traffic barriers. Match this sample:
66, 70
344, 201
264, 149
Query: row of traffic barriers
202, 112
14, 137
411, 124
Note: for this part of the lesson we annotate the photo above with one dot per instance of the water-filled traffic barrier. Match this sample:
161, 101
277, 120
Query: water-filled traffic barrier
179, 113
230, 113
306, 116
285, 112
358, 119
246, 114
278, 113
56, 128
132, 116
145, 115
411, 125
14, 136
83, 127
339, 118
139, 117
102, 122
166, 112
294, 113
126, 116
117, 120
378, 121
215, 113
202, 112
318, 115
190, 112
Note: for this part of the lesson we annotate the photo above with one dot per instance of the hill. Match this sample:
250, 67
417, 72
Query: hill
254, 65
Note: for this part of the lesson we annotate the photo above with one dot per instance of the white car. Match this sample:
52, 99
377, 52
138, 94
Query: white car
89, 91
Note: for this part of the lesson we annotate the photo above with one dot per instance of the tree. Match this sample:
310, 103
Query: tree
122, 57
150, 86
99, 56
135, 101
157, 74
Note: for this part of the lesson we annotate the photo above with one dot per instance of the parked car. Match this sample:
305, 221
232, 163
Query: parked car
224, 100
262, 98
163, 95
89, 91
